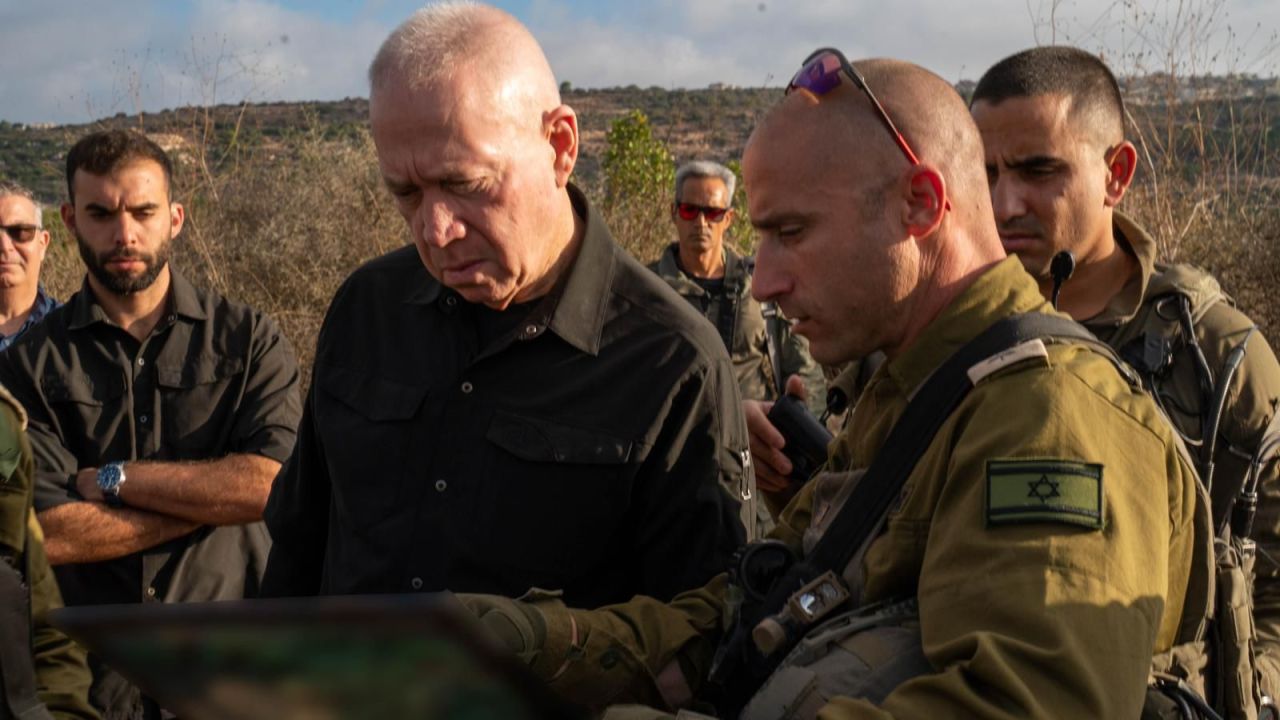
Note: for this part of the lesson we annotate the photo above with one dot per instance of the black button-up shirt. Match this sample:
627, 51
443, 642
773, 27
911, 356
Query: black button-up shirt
587, 446
213, 378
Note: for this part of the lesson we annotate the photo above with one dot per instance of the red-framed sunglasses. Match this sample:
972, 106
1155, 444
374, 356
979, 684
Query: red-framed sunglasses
689, 211
820, 74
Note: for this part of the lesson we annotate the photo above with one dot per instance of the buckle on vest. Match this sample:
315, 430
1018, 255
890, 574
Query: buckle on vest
817, 599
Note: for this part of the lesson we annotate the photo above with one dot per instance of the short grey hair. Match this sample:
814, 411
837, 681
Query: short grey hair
426, 47
706, 169
9, 188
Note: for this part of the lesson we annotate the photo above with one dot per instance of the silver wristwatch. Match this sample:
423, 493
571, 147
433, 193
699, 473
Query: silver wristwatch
110, 478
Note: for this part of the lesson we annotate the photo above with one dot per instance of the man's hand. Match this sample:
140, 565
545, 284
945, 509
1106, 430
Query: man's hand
87, 485
516, 625
772, 466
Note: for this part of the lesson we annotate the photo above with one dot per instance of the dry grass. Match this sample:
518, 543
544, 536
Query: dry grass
280, 226
277, 231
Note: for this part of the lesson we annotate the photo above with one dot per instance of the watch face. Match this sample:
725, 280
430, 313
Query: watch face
109, 477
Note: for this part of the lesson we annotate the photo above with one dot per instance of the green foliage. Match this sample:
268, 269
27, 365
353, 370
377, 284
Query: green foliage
636, 164
740, 232
638, 175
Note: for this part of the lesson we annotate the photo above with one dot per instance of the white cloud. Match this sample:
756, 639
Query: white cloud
66, 61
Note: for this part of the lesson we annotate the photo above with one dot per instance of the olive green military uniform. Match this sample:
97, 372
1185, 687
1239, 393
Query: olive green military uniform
1250, 406
1048, 533
62, 677
738, 318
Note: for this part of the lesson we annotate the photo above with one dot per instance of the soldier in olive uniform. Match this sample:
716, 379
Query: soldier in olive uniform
717, 281
60, 681
1052, 122
1052, 535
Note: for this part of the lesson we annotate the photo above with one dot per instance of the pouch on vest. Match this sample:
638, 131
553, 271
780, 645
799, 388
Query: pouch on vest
863, 653
1235, 677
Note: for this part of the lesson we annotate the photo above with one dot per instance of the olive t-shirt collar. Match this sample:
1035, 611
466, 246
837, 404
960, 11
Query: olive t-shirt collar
1132, 239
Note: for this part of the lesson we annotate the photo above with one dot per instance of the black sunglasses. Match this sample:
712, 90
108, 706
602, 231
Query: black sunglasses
20, 233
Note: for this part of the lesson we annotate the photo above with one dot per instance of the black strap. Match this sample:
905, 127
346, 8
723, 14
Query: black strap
772, 339
932, 404
17, 670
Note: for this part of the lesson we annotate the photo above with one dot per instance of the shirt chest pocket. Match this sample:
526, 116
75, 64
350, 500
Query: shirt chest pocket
554, 497
372, 442
197, 404
87, 412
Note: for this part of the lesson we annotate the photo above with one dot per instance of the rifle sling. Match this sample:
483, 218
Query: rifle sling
927, 410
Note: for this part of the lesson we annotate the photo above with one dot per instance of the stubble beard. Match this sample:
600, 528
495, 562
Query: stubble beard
123, 284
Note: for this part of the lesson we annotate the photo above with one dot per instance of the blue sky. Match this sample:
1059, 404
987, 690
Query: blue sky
79, 60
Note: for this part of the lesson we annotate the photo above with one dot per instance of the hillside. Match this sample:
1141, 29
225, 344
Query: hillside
701, 123
284, 198
712, 122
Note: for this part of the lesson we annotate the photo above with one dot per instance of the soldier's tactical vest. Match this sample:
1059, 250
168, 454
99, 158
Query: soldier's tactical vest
1179, 297
866, 652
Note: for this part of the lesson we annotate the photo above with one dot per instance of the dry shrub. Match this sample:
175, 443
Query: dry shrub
280, 223
278, 226
1202, 102
1207, 192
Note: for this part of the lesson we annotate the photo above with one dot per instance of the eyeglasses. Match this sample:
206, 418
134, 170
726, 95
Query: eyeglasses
820, 74
21, 233
689, 211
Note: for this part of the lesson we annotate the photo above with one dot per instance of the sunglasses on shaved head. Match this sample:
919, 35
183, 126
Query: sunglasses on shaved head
820, 74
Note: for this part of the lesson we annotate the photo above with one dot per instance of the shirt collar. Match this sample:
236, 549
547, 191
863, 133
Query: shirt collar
582, 301
1004, 290
735, 267
45, 303
1135, 241
575, 308
182, 299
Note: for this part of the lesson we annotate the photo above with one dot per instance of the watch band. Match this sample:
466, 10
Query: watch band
110, 477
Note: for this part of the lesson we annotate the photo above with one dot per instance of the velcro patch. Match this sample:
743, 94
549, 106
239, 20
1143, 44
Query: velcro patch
1016, 354
1046, 490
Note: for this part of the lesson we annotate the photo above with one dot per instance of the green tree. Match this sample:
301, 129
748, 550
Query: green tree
741, 234
638, 175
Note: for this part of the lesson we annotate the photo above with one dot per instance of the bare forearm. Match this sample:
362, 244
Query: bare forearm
227, 491
83, 532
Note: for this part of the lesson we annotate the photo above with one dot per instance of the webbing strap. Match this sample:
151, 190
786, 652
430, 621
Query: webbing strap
928, 409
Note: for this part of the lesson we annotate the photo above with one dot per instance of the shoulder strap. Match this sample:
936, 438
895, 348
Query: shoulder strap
772, 333
928, 409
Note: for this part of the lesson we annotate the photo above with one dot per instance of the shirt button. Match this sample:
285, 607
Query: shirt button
531, 330
151, 592
441, 486
143, 419
416, 583
467, 387
451, 301
142, 361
